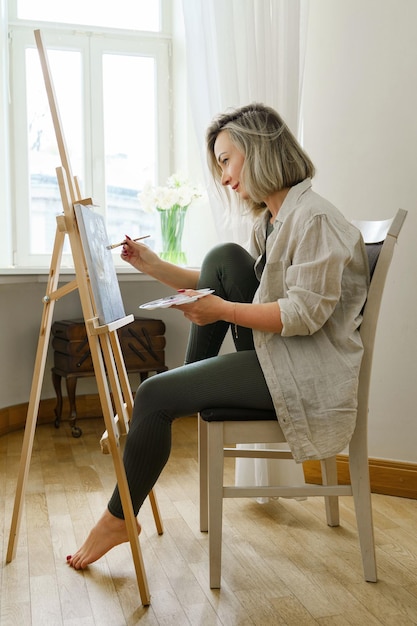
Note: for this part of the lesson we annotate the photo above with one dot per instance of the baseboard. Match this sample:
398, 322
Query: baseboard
14, 417
392, 478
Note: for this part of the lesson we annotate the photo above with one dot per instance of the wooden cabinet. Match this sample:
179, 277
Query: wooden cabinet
143, 347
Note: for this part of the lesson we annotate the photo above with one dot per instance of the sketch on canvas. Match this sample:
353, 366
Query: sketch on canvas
100, 266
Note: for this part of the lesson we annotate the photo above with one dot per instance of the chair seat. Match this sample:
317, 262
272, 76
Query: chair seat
237, 415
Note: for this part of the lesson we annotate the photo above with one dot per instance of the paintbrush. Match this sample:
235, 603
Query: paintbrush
122, 243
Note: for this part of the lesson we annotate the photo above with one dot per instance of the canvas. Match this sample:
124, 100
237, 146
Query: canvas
100, 266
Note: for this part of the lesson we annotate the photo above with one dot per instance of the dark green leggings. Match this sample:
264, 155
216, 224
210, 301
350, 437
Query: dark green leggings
206, 380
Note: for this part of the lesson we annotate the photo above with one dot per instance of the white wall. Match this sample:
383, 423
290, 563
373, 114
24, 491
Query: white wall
360, 128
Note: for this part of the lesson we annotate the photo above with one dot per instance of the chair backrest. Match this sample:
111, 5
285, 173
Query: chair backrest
380, 238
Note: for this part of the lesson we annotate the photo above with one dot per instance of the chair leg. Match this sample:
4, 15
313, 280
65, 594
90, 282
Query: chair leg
329, 477
202, 467
215, 500
359, 478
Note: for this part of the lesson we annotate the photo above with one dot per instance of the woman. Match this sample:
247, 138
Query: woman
294, 304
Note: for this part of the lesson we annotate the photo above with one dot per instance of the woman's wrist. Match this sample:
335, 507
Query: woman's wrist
233, 319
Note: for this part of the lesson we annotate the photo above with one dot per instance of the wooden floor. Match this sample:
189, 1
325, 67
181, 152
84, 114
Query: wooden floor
281, 563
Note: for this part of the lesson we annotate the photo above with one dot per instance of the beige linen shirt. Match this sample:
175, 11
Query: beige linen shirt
316, 268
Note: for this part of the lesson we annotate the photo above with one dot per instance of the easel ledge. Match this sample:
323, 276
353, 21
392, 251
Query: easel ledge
97, 329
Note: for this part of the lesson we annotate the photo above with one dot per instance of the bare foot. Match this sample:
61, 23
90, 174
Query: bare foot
109, 532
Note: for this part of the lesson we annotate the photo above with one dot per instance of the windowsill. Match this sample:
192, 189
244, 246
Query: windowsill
11, 276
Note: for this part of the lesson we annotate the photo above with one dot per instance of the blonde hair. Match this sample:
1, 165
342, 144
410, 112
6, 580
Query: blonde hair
274, 159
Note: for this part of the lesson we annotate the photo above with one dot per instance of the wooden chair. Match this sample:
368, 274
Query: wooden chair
219, 429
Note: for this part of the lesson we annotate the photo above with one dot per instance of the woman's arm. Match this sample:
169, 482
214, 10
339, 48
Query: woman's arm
266, 317
142, 258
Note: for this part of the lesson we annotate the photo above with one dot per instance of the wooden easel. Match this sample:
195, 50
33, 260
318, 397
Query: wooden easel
109, 368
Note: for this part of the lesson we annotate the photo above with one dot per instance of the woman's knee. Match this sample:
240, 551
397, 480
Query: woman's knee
224, 253
225, 259
148, 394
159, 392
228, 269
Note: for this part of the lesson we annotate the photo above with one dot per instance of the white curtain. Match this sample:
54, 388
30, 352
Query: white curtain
241, 51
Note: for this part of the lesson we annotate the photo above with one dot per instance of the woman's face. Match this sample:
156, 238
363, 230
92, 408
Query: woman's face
230, 161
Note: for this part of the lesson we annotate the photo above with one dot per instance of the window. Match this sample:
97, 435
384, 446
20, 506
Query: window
112, 87
129, 14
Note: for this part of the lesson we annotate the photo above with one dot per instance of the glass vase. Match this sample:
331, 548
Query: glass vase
172, 227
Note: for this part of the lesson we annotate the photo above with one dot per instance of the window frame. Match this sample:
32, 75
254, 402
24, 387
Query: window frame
92, 47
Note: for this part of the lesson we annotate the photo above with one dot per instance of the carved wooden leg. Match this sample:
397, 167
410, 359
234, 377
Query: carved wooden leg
56, 381
71, 382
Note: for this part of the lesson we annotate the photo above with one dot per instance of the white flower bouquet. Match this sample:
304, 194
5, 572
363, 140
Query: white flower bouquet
177, 192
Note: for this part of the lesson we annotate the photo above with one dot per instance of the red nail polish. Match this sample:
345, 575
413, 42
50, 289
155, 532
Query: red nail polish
180, 290
69, 557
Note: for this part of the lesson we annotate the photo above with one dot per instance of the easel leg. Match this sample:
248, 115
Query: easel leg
33, 408
129, 516
100, 348
25, 459
156, 512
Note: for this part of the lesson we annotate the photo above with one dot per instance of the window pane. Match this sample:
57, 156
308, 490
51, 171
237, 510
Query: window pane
45, 199
131, 14
129, 141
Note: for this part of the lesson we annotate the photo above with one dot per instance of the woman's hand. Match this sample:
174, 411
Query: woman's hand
139, 255
205, 310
